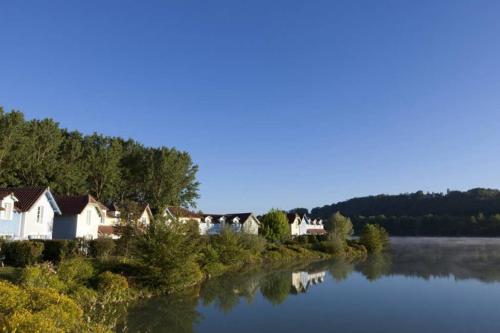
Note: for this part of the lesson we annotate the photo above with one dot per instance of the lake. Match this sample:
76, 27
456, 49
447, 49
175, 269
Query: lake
423, 285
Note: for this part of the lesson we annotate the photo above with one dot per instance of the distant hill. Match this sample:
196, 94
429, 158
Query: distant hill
473, 212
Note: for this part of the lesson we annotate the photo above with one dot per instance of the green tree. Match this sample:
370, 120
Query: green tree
340, 225
73, 171
170, 178
103, 157
274, 226
37, 153
168, 253
11, 125
374, 238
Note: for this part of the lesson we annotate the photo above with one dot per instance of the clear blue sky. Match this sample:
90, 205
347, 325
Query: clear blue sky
281, 103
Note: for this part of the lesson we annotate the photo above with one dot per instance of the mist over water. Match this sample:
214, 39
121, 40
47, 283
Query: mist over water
421, 285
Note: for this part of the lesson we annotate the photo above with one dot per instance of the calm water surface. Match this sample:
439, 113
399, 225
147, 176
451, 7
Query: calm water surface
425, 285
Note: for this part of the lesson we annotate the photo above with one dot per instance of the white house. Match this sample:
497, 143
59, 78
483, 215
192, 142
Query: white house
304, 225
301, 281
315, 227
146, 216
294, 220
81, 217
27, 213
211, 224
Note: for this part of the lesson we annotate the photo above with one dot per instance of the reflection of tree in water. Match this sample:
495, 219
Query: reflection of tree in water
276, 286
340, 270
375, 266
225, 292
173, 313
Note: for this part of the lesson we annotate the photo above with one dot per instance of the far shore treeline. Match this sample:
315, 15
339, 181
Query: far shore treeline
471, 213
41, 153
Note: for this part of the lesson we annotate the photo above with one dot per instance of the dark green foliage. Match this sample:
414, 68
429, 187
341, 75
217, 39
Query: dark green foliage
57, 250
300, 211
22, 253
374, 238
101, 247
274, 226
39, 152
471, 213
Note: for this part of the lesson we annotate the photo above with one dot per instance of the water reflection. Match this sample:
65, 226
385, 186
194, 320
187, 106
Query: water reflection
416, 259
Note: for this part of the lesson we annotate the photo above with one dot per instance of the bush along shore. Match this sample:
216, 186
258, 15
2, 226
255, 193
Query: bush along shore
86, 286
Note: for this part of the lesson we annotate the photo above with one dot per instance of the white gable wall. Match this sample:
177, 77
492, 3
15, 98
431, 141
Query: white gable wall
295, 227
84, 229
29, 225
145, 219
251, 226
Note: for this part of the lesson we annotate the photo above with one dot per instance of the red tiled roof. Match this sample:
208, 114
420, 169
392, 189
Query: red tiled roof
182, 212
76, 204
106, 230
27, 196
316, 231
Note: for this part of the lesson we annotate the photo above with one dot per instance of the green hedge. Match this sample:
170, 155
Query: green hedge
57, 250
101, 247
22, 253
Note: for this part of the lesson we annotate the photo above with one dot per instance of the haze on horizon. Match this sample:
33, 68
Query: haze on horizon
281, 104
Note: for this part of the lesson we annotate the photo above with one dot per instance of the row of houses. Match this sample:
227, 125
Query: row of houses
36, 213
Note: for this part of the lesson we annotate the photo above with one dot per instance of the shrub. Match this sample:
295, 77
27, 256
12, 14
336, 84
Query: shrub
228, 247
274, 226
22, 253
57, 250
42, 276
169, 253
75, 272
335, 246
38, 310
101, 247
374, 238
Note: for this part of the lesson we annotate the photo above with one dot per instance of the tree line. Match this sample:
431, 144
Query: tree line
112, 169
469, 213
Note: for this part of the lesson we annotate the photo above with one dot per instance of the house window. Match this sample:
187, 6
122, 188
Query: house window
39, 214
89, 217
8, 211
144, 221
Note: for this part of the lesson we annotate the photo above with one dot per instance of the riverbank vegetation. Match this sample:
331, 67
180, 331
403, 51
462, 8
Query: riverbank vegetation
86, 286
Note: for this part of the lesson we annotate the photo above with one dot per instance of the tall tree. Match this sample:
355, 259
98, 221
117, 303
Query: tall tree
37, 153
170, 178
11, 125
103, 157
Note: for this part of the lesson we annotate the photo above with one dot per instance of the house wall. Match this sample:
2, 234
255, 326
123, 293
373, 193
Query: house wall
251, 226
145, 219
64, 227
85, 230
295, 227
10, 227
303, 226
30, 227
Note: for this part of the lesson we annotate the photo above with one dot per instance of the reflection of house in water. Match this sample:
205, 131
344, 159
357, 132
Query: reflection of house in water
301, 281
